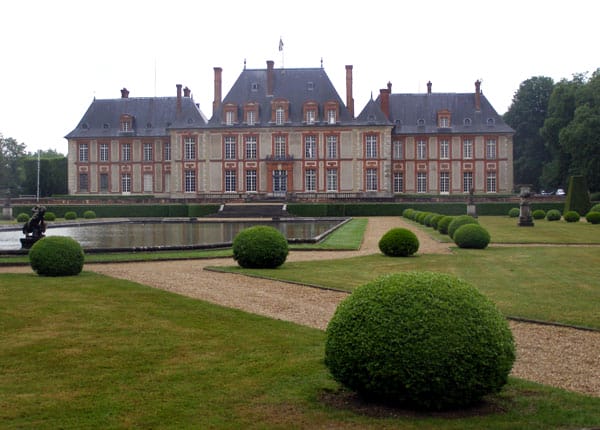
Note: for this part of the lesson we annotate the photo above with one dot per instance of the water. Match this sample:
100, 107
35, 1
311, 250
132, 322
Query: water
126, 235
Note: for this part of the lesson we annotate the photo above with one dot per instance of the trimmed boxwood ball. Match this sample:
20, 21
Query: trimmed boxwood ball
49, 216
22, 217
70, 215
420, 339
538, 214
89, 214
56, 256
595, 208
435, 220
471, 236
443, 224
399, 242
514, 212
407, 213
553, 215
459, 221
593, 217
571, 216
260, 247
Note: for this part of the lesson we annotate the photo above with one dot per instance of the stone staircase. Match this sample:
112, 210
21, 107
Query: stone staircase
252, 210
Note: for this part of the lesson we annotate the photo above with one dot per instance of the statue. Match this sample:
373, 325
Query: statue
471, 208
35, 228
525, 218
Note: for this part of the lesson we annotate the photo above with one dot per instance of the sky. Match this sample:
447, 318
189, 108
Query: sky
57, 56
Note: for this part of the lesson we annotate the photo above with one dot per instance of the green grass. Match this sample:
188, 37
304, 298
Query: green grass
99, 353
347, 237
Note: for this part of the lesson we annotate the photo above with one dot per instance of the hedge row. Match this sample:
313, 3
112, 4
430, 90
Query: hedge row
128, 211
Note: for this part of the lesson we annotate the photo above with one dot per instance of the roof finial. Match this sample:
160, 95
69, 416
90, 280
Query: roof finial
244, 64
321, 62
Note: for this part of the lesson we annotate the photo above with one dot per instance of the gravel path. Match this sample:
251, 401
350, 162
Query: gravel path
558, 356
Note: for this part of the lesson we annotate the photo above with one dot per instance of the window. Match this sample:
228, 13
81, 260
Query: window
229, 117
491, 182
467, 148
398, 150
148, 152
467, 122
279, 116
421, 182
83, 182
251, 147
167, 151
371, 179
444, 149
251, 117
310, 180
332, 144
190, 181
490, 149
126, 183
280, 147
147, 182
421, 149
444, 182
467, 181
310, 147
490, 122
444, 122
230, 147
310, 116
189, 148
332, 181
126, 152
104, 152
126, 125
230, 181
83, 152
371, 146
398, 182
331, 116
103, 182
251, 180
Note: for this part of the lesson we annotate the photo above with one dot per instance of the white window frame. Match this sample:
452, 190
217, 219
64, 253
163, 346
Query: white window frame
148, 152
251, 176
491, 182
167, 151
332, 180
371, 146
444, 182
310, 116
103, 185
190, 181
126, 182
279, 116
421, 182
126, 152
251, 148
331, 116
398, 182
371, 178
444, 149
229, 117
148, 182
467, 149
230, 144
310, 180
84, 151
230, 181
310, 146
104, 152
189, 144
421, 149
490, 149
332, 147
398, 149
467, 181
250, 117
280, 150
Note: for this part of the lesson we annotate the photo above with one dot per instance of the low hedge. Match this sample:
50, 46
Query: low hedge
538, 214
593, 217
571, 216
553, 215
132, 210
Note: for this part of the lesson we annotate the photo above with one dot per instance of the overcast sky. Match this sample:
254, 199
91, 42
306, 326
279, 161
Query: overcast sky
58, 55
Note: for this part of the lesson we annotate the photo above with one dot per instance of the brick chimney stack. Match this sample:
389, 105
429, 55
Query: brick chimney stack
477, 95
124, 93
270, 77
179, 98
384, 95
429, 87
349, 97
186, 92
217, 99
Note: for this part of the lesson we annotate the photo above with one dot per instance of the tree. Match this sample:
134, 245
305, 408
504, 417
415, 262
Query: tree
526, 115
53, 174
11, 152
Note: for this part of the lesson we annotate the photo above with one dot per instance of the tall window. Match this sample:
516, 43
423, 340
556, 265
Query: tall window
371, 146
148, 152
444, 182
444, 149
398, 150
310, 116
104, 152
371, 179
126, 183
491, 182
83, 182
126, 152
103, 182
190, 181
421, 182
310, 147
398, 182
421, 149
251, 147
467, 148
279, 116
310, 180
189, 144
230, 148
444, 122
229, 117
280, 147
230, 181
332, 180
147, 182
331, 116
250, 117
250, 180
167, 151
332, 144
490, 149
83, 152
467, 181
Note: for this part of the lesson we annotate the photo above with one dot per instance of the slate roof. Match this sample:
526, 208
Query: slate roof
152, 117
372, 115
406, 111
295, 85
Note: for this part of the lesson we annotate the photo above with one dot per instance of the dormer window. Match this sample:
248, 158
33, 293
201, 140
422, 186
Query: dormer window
421, 122
230, 113
280, 111
279, 116
467, 122
311, 116
490, 122
250, 113
126, 123
250, 117
332, 112
310, 110
443, 118
254, 87
310, 86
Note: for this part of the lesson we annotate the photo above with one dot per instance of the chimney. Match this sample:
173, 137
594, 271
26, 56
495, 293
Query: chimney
124, 93
477, 95
217, 99
270, 77
384, 95
186, 92
349, 98
429, 87
178, 98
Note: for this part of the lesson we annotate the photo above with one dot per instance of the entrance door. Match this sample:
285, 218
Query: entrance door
279, 182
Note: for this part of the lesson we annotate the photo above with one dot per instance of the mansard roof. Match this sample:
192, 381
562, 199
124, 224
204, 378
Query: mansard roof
418, 113
152, 117
297, 86
372, 115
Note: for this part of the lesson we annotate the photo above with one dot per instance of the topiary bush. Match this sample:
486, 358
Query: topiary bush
49, 216
595, 208
70, 215
435, 220
571, 216
260, 247
89, 214
426, 340
428, 218
593, 217
514, 212
444, 223
56, 256
471, 236
538, 214
553, 215
578, 197
22, 217
459, 221
407, 213
399, 242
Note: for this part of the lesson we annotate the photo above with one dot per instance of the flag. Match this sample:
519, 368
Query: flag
280, 44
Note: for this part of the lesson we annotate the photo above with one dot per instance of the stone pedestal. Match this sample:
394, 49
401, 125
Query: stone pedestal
7, 212
525, 218
472, 210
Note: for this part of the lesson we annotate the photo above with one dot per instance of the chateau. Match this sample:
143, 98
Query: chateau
287, 133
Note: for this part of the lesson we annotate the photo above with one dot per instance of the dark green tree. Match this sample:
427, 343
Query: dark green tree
53, 174
11, 153
526, 115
